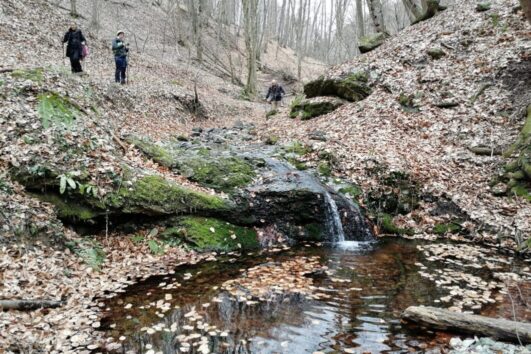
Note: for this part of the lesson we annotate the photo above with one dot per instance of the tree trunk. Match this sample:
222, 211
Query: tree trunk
95, 19
29, 304
73, 8
360, 21
445, 320
376, 11
250, 10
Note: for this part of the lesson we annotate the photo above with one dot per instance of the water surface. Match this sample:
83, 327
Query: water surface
354, 307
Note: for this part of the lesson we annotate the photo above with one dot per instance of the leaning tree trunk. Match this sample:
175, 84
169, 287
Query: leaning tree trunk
441, 319
359, 18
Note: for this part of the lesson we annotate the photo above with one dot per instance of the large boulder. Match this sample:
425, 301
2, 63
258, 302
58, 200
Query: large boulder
371, 42
352, 88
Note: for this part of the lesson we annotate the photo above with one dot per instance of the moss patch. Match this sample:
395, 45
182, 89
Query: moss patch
371, 42
518, 171
36, 75
352, 88
207, 234
298, 148
308, 109
154, 195
351, 190
68, 209
156, 152
221, 173
54, 108
447, 228
324, 169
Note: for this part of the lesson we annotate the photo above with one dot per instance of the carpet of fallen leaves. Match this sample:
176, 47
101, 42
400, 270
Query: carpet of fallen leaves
268, 280
432, 144
34, 272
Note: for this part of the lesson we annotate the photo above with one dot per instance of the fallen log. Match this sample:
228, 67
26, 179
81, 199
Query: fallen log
485, 150
25, 305
441, 319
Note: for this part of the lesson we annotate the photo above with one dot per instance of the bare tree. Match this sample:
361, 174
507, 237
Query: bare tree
376, 12
250, 11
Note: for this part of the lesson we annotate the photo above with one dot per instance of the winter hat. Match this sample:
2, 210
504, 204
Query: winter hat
118, 33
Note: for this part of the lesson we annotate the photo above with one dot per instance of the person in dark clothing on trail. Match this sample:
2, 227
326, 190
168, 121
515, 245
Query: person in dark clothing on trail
74, 48
275, 94
120, 51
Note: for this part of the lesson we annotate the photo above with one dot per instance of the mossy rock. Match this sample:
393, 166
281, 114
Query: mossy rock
156, 152
518, 170
352, 88
447, 228
483, 6
432, 8
203, 165
308, 109
386, 223
436, 53
371, 42
217, 172
154, 195
208, 234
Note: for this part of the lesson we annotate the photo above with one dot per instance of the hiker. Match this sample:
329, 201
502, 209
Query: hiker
120, 51
275, 94
74, 48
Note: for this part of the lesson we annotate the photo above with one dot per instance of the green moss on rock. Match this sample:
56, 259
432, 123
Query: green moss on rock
221, 173
156, 152
518, 171
68, 209
371, 42
155, 195
436, 53
208, 234
311, 109
352, 88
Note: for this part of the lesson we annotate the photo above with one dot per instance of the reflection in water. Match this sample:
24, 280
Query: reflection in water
355, 307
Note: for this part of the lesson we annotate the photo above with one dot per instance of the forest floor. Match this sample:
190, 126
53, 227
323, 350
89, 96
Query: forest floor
430, 143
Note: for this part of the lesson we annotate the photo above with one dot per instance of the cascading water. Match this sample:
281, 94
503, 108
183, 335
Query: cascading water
333, 222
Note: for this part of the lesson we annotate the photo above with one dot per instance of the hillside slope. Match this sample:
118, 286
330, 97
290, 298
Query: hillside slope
426, 114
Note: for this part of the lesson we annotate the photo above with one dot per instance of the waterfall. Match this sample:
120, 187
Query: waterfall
333, 221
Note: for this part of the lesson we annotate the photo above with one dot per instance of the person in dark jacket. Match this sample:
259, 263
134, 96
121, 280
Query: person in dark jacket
74, 47
120, 50
275, 94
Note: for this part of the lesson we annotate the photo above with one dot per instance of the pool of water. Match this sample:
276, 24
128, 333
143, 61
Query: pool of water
351, 303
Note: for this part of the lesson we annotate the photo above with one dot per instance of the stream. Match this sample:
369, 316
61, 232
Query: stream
353, 305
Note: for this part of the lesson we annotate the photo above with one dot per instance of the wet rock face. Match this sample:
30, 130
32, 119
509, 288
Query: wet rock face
259, 190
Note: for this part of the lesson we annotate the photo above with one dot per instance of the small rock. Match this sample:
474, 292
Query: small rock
436, 53
483, 6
